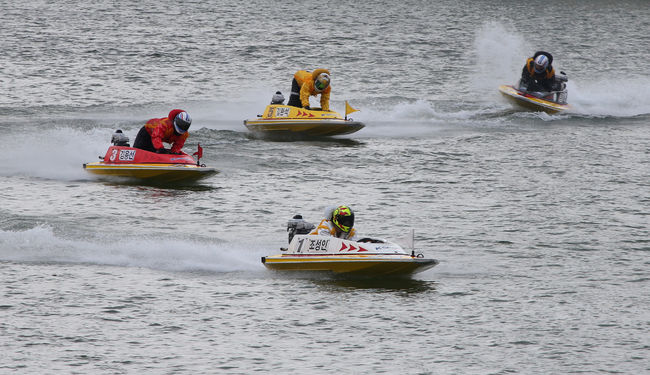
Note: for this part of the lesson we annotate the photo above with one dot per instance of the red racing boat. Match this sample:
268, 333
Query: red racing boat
124, 161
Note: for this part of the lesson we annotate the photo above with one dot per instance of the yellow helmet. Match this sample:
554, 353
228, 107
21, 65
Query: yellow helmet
343, 218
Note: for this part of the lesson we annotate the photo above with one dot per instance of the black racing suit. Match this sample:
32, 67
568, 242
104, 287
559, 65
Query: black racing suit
533, 81
294, 98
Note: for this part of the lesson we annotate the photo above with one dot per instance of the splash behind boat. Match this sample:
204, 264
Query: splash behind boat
365, 257
279, 119
127, 162
550, 102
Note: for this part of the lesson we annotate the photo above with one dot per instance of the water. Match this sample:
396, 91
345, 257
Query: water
540, 222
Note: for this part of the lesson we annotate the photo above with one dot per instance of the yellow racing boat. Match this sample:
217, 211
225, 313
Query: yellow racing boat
551, 102
531, 102
279, 119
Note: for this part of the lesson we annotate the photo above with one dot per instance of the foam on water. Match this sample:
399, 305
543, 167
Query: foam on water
499, 53
615, 96
41, 244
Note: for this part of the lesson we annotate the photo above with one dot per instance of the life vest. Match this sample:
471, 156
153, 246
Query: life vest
546, 74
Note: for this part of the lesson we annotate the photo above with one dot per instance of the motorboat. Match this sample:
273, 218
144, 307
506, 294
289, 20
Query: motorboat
551, 102
280, 120
367, 256
124, 161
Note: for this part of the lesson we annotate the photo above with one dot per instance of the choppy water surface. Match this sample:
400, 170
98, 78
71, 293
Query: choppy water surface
540, 222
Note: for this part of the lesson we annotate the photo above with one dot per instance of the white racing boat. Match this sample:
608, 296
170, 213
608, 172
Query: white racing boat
366, 257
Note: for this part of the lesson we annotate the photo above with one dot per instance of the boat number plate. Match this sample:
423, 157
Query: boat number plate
124, 155
314, 245
282, 112
127, 154
318, 245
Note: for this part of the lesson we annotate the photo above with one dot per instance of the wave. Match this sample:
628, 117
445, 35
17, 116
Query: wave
498, 55
53, 153
611, 97
40, 244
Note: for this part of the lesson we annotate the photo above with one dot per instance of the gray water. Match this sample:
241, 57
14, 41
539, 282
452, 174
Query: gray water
540, 222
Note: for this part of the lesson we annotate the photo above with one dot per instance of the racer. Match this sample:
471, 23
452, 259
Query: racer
307, 83
171, 129
538, 73
339, 224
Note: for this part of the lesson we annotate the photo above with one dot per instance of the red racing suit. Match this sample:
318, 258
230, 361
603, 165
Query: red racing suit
162, 130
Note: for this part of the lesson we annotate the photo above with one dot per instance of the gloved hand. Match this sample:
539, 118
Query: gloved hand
162, 150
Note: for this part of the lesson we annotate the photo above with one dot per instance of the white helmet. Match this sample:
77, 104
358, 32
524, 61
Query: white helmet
182, 122
322, 81
541, 63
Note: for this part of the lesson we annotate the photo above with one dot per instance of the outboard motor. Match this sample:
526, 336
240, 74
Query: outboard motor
521, 86
297, 225
560, 86
277, 98
119, 139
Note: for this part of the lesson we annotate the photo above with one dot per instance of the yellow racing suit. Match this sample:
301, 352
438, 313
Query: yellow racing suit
306, 81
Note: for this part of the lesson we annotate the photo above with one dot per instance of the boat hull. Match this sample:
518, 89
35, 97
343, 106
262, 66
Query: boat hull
288, 120
162, 172
530, 102
298, 127
362, 265
367, 257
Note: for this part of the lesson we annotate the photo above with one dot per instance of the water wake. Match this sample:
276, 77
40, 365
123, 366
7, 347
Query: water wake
615, 97
53, 153
41, 244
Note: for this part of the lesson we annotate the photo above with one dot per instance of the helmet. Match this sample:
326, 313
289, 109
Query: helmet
541, 63
322, 81
182, 122
343, 218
